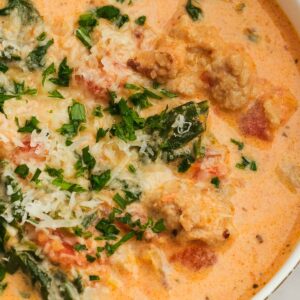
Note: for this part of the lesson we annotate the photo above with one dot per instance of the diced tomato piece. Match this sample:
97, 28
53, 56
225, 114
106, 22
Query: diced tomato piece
255, 122
195, 257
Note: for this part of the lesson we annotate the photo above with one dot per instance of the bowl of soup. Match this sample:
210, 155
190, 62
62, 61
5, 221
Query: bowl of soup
149, 149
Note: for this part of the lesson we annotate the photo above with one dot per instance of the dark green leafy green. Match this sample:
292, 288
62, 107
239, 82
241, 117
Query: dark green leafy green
36, 58
32, 268
25, 8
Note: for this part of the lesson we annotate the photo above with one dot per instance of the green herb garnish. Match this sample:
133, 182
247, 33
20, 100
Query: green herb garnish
30, 126
240, 145
22, 171
193, 11
141, 20
98, 182
64, 74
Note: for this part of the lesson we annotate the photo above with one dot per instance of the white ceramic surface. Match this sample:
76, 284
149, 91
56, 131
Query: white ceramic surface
277, 287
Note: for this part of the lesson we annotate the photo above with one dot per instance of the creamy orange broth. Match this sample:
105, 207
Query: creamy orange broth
266, 218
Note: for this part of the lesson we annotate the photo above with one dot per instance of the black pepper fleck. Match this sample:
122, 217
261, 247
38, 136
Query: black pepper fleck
259, 239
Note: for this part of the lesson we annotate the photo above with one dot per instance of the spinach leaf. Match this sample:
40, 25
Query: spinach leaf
36, 58
25, 8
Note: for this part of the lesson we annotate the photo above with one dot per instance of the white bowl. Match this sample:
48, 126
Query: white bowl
292, 9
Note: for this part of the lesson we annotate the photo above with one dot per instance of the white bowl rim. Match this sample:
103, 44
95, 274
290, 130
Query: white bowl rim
292, 10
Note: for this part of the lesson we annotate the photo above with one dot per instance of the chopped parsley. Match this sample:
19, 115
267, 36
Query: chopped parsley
42, 37
48, 71
97, 112
20, 90
54, 172
130, 121
87, 23
98, 182
64, 74
30, 126
3, 68
88, 159
111, 249
36, 175
80, 247
132, 169
90, 258
193, 11
67, 186
113, 14
141, 20
216, 182
129, 198
94, 277
108, 12
77, 116
168, 94
245, 163
159, 226
101, 133
55, 94
22, 171
239, 144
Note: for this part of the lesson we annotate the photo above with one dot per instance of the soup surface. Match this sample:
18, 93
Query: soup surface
149, 149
